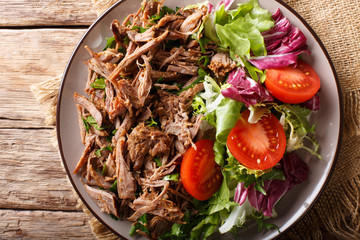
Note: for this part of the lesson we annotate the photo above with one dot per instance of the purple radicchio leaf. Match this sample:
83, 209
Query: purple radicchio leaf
313, 103
295, 171
227, 4
276, 61
294, 40
283, 43
244, 89
281, 29
210, 8
241, 193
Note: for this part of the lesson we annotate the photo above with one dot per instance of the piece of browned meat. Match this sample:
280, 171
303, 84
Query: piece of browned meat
99, 66
144, 140
145, 117
110, 55
129, 59
126, 184
157, 226
173, 111
90, 107
156, 205
193, 22
221, 63
143, 82
107, 201
119, 32
89, 143
185, 69
81, 123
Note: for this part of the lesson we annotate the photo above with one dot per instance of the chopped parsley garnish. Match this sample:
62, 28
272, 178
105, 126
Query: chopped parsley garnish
98, 152
91, 122
110, 43
141, 225
200, 79
99, 83
141, 29
259, 218
113, 187
86, 124
205, 59
172, 177
163, 11
158, 161
103, 170
114, 217
160, 80
151, 123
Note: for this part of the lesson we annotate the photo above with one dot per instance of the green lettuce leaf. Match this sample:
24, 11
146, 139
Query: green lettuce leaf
239, 30
227, 114
218, 208
206, 227
222, 17
219, 151
241, 36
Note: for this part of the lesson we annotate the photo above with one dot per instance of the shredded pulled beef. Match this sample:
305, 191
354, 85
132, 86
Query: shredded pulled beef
137, 120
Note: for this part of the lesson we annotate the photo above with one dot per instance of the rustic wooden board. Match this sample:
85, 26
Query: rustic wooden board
46, 12
31, 173
24, 65
44, 225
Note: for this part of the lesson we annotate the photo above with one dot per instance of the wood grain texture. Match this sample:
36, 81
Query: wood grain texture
44, 225
36, 199
31, 173
46, 13
23, 65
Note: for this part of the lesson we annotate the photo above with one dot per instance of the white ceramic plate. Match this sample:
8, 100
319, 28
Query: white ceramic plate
328, 120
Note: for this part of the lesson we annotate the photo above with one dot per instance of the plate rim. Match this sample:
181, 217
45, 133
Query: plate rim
308, 27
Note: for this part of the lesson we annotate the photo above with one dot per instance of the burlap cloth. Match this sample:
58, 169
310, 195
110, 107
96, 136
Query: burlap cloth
336, 214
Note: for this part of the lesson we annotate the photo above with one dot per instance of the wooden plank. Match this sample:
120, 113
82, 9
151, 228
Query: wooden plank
44, 225
31, 173
24, 65
46, 13
9, 123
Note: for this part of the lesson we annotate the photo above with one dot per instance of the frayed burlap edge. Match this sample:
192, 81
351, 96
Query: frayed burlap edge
46, 94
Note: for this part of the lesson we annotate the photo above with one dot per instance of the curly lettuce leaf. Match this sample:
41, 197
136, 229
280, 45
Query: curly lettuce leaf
237, 217
198, 105
297, 128
211, 95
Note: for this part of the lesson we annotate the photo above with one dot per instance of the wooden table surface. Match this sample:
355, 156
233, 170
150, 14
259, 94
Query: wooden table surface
37, 39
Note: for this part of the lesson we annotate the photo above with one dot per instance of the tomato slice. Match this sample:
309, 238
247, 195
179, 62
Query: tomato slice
200, 174
257, 146
292, 85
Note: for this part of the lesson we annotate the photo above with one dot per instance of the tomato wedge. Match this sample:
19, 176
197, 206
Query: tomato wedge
200, 174
292, 85
257, 146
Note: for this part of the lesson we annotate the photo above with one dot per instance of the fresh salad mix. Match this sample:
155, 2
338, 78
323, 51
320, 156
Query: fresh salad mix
261, 116
195, 117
